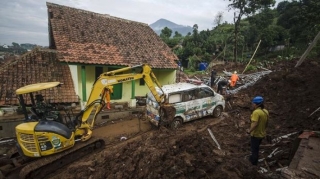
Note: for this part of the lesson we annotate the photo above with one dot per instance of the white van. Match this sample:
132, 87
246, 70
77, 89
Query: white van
191, 102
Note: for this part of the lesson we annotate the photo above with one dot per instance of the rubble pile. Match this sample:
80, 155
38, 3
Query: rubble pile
248, 80
217, 147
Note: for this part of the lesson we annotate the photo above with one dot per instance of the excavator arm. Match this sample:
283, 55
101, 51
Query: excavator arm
107, 80
83, 125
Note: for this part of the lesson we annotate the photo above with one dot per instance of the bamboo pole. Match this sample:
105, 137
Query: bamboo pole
314, 42
252, 56
211, 63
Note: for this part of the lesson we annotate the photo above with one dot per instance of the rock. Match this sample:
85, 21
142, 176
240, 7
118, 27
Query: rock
92, 169
118, 106
219, 152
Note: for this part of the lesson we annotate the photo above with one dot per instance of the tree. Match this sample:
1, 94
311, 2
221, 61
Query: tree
245, 7
218, 18
14, 44
165, 36
165, 33
177, 34
301, 19
195, 29
262, 24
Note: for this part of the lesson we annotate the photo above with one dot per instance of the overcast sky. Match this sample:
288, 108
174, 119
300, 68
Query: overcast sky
26, 21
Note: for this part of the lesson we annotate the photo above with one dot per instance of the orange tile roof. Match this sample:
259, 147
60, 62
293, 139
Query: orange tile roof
90, 38
39, 65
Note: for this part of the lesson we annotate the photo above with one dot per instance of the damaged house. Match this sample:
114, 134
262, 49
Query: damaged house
83, 45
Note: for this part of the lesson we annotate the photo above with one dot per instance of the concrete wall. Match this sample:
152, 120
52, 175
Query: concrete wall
107, 116
7, 128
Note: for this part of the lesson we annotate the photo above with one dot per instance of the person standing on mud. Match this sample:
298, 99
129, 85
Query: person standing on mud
234, 78
213, 77
257, 131
108, 91
221, 84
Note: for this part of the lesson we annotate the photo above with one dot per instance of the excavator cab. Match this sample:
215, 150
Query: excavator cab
43, 132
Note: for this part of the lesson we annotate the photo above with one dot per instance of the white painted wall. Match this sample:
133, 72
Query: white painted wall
74, 75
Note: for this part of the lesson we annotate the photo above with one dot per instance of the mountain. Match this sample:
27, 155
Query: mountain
162, 23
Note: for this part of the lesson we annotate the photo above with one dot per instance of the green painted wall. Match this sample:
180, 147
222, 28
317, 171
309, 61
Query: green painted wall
79, 82
164, 77
90, 71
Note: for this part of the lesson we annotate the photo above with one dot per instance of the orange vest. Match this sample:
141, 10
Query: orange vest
108, 92
234, 77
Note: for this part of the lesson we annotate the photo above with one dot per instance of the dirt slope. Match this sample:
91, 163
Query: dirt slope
291, 95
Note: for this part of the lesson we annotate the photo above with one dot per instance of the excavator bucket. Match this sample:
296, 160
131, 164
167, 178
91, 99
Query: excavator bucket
167, 113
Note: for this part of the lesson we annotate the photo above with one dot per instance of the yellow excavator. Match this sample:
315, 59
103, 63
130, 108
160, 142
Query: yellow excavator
51, 139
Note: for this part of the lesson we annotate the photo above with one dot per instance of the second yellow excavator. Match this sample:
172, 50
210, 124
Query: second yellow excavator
51, 139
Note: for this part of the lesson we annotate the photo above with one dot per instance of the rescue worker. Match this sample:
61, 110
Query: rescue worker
213, 77
108, 91
234, 78
221, 84
257, 131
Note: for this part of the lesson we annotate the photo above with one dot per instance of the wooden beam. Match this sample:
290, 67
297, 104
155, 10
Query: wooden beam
252, 57
314, 42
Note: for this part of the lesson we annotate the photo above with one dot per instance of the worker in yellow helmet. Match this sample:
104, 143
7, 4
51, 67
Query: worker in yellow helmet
108, 90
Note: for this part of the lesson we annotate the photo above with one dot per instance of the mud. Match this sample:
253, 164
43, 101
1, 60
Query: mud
136, 150
291, 95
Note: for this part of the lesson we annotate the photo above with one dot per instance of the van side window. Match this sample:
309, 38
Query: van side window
205, 92
175, 98
185, 96
190, 95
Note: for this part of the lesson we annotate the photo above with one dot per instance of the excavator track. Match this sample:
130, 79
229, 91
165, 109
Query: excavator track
43, 167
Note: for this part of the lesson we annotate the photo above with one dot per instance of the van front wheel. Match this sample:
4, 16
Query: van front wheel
217, 111
176, 123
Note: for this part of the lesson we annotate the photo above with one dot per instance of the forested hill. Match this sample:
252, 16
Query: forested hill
284, 31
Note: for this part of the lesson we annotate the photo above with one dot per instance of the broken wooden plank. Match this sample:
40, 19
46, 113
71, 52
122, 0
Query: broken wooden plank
305, 54
252, 57
314, 112
214, 139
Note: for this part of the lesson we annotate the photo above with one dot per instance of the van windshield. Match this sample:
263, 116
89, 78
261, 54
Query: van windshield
151, 97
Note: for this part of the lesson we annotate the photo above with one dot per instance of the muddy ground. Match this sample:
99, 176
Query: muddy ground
291, 96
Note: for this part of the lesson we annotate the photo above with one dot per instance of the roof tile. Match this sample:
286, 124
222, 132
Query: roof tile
39, 65
86, 37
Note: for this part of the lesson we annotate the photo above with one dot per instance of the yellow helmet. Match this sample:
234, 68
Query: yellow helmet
235, 72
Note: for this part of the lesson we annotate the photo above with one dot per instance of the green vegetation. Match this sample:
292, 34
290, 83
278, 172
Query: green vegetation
191, 72
17, 49
285, 33
250, 68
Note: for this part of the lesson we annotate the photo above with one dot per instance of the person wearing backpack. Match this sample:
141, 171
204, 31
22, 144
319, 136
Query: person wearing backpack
257, 131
